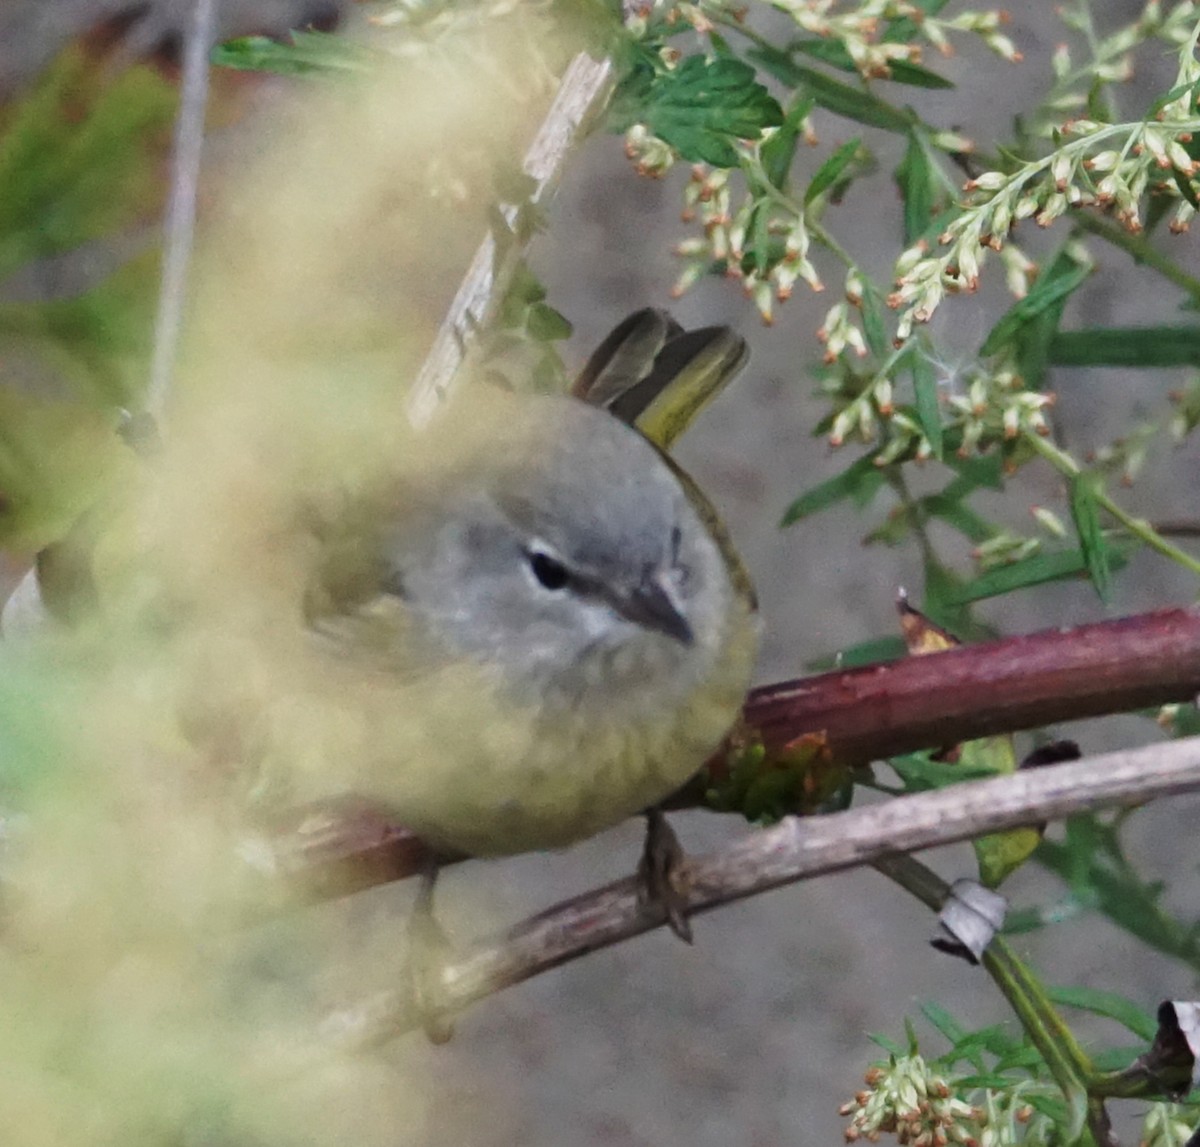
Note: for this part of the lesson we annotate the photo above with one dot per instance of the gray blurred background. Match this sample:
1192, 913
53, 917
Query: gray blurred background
756, 1034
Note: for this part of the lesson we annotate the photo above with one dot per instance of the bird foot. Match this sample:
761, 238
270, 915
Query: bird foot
429, 951
658, 874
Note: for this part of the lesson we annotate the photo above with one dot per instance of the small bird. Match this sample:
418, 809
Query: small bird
550, 626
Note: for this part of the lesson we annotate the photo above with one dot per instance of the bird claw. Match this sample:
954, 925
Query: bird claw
658, 874
428, 952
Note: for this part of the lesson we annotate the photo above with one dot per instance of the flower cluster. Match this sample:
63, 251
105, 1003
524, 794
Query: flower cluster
781, 240
982, 405
1110, 166
906, 1098
859, 31
1164, 1126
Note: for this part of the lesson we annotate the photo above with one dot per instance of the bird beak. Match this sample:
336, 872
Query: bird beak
652, 606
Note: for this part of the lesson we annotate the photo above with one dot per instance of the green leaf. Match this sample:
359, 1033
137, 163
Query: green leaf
833, 52
778, 152
703, 105
915, 178
859, 481
874, 324
80, 157
826, 175
944, 1022
888, 1044
833, 95
1172, 96
1036, 570
873, 652
545, 324
309, 53
1108, 1004
919, 773
929, 413
973, 526
1050, 288
1086, 513
1127, 346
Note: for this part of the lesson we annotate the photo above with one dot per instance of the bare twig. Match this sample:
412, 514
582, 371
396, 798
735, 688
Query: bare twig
584, 87
181, 206
790, 851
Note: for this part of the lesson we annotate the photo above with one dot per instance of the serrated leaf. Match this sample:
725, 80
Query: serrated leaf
1127, 346
859, 481
703, 105
1107, 1004
1050, 288
1085, 512
827, 174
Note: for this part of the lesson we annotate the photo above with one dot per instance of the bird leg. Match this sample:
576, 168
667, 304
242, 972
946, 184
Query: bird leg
428, 952
658, 873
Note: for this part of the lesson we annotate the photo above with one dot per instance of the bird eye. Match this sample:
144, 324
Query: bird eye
550, 572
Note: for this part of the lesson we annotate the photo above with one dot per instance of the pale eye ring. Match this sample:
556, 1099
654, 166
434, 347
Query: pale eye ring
551, 574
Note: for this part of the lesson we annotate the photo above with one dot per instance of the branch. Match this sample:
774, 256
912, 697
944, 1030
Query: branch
790, 851
181, 207
865, 714
584, 89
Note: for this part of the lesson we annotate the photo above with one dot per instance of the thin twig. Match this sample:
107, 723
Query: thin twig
790, 851
181, 205
583, 90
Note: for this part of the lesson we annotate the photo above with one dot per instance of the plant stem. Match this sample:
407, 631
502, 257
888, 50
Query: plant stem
1141, 251
1138, 527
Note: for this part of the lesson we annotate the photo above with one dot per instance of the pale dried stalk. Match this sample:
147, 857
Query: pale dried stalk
584, 88
795, 849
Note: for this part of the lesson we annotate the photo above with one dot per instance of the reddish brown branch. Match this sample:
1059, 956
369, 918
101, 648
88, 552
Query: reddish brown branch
998, 687
865, 714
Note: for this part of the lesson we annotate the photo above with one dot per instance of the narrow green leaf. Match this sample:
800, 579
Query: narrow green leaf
1108, 1004
1036, 570
973, 526
309, 53
1086, 513
859, 481
833, 95
874, 323
914, 177
1127, 346
921, 774
929, 413
826, 175
1172, 96
872, 652
1053, 286
778, 152
833, 52
945, 1023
